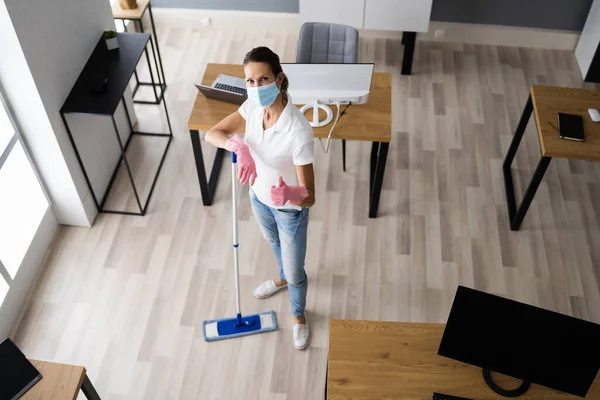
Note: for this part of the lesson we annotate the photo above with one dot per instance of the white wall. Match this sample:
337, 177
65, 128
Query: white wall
18, 86
589, 39
392, 15
56, 39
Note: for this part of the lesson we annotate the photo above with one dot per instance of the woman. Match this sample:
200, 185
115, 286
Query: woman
275, 156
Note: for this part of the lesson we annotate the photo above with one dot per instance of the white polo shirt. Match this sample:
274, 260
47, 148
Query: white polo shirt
277, 150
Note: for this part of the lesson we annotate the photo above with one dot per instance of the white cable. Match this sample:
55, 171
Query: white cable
326, 147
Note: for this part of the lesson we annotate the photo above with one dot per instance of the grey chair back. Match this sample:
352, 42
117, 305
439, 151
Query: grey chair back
327, 43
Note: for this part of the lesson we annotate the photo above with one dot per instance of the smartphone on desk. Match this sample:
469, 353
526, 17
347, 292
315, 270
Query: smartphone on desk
570, 127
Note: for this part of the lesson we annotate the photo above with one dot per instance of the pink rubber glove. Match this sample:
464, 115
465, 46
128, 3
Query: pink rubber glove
246, 165
282, 193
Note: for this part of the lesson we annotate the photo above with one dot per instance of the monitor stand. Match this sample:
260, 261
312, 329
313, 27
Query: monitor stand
315, 106
487, 375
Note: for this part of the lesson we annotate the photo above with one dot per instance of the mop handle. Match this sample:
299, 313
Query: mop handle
235, 234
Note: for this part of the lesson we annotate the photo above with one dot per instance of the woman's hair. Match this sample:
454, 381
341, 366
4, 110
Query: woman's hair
265, 55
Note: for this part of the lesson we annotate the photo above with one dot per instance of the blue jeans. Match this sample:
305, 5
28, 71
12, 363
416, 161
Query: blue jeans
286, 231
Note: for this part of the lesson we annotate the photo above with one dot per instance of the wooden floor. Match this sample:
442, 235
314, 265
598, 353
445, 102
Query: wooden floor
126, 298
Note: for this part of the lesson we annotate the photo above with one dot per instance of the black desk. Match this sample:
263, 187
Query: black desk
117, 66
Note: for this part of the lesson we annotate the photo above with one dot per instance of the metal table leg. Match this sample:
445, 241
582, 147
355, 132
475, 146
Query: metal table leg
164, 79
124, 159
162, 160
160, 77
88, 389
344, 155
207, 187
143, 208
515, 214
137, 79
379, 153
408, 40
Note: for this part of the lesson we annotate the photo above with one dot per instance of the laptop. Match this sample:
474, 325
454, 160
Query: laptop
17, 374
226, 88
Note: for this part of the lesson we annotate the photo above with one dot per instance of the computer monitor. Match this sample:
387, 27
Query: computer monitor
329, 83
522, 341
317, 85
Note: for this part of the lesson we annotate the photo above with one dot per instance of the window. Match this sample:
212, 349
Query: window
23, 202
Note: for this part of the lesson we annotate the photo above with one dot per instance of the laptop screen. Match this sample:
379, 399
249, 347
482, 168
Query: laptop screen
17, 374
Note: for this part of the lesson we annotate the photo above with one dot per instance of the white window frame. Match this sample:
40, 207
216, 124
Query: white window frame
17, 138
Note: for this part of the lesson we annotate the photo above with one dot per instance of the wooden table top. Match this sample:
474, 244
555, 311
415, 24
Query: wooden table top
368, 122
548, 101
136, 13
59, 381
396, 360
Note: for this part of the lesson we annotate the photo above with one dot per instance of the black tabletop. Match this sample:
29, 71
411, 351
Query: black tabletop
89, 94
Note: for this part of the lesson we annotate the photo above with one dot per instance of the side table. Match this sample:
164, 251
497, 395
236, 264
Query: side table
136, 16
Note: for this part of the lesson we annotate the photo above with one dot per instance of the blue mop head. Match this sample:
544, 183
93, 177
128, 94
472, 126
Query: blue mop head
228, 328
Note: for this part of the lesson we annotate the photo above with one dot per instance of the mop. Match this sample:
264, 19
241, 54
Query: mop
228, 328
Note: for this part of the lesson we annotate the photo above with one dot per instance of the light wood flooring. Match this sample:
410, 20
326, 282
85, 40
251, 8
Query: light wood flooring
126, 298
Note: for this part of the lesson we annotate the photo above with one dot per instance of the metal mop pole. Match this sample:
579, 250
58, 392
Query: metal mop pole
235, 237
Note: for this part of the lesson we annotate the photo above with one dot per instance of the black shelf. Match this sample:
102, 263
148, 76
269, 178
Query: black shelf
99, 90
117, 66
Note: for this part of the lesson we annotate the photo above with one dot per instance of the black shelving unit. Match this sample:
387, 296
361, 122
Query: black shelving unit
160, 74
99, 90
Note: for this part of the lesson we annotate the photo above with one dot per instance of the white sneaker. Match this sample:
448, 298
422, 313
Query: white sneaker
301, 335
267, 289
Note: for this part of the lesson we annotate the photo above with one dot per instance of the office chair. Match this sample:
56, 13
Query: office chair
328, 43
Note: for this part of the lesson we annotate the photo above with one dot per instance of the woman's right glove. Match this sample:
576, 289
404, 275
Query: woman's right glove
246, 165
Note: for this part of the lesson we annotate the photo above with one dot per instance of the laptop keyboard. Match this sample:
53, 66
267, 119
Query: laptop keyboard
232, 89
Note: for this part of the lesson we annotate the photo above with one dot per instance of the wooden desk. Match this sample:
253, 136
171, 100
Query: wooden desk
60, 382
547, 102
370, 122
396, 360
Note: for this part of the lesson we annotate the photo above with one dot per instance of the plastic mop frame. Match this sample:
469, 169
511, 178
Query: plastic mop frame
228, 328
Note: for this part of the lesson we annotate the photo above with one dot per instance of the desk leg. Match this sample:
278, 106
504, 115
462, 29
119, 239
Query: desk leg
516, 215
89, 390
379, 153
408, 39
344, 155
207, 188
